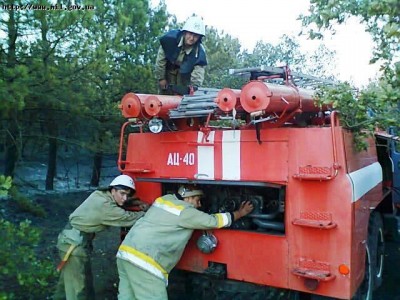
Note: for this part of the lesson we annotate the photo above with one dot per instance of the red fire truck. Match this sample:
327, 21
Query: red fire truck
318, 226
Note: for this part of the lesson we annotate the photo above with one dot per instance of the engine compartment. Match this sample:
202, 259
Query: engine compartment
269, 204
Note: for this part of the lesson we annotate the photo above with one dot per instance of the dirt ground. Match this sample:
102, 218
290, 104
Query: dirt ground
59, 205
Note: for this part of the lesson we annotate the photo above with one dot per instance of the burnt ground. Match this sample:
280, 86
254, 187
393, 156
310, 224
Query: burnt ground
59, 205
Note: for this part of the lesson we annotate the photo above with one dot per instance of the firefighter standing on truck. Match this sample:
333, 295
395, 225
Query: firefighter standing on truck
102, 209
156, 242
181, 58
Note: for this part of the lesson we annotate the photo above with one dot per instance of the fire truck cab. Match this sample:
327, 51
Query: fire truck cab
320, 206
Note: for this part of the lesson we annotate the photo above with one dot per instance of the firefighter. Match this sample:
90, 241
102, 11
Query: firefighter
102, 209
181, 57
156, 242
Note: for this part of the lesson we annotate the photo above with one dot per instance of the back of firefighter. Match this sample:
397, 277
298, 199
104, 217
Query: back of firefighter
156, 242
102, 209
181, 57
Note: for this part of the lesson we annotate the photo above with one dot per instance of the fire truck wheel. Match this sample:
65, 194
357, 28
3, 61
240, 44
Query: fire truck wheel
376, 244
373, 259
364, 291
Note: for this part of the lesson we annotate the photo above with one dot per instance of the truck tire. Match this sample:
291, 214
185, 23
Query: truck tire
374, 258
366, 288
376, 243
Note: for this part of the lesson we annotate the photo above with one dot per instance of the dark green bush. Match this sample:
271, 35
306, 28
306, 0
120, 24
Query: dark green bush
23, 275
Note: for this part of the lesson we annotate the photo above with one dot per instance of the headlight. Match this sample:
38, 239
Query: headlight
155, 125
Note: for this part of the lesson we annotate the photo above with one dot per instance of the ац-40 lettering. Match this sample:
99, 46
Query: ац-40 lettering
176, 158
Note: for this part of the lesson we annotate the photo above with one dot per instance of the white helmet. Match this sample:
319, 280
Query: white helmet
196, 25
123, 180
189, 191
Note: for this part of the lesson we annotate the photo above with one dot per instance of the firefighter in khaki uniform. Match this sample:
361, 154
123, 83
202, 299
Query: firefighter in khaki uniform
181, 58
102, 209
156, 242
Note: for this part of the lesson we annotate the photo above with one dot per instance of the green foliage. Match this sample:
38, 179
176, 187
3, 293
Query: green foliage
263, 54
381, 18
73, 69
5, 185
222, 54
120, 48
353, 111
362, 112
23, 275
13, 89
383, 98
379, 104
320, 62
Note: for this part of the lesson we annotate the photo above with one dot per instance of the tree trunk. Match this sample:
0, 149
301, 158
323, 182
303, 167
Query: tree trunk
96, 171
52, 155
11, 151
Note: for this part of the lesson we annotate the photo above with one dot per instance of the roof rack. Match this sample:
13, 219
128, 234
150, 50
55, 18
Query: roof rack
282, 75
200, 104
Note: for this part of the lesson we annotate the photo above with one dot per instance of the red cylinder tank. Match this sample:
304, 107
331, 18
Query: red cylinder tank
143, 105
227, 99
260, 96
130, 106
159, 105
